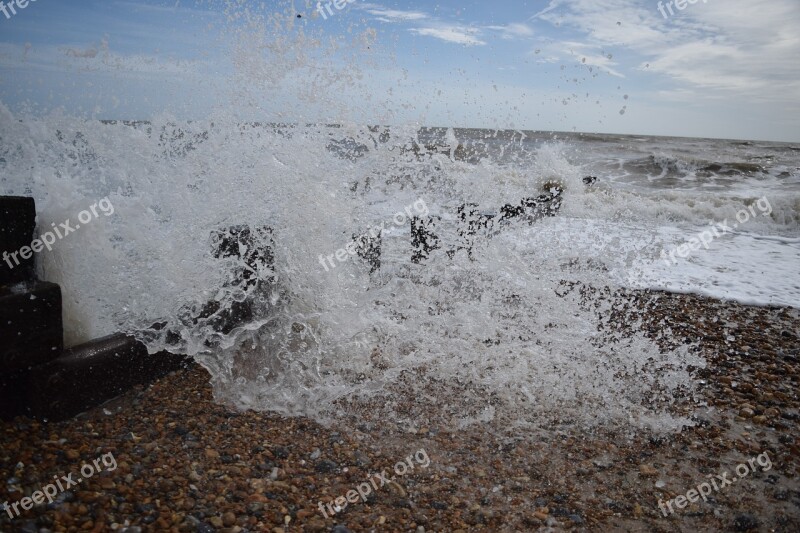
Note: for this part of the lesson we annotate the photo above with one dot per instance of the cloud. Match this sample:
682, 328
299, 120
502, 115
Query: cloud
737, 47
591, 56
429, 26
513, 30
95, 58
452, 34
393, 15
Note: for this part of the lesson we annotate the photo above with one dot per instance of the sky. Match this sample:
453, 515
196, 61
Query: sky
716, 68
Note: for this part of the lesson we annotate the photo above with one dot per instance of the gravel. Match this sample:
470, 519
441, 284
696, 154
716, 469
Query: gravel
186, 464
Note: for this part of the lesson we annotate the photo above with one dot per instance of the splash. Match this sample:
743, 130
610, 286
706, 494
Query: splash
219, 225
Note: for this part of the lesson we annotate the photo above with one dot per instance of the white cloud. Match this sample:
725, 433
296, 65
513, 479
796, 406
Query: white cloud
590, 56
393, 15
95, 58
513, 30
744, 47
452, 34
429, 26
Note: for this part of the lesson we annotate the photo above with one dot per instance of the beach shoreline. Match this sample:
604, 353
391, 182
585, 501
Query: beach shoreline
186, 463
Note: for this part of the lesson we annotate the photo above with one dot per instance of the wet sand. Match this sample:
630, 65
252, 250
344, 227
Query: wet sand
186, 464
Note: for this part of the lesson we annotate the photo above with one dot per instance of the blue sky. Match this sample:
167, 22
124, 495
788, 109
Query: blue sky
717, 68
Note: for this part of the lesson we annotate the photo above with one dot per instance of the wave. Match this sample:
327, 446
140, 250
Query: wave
669, 166
214, 251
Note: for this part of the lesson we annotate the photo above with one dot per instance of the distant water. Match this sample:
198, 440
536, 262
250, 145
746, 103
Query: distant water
654, 194
658, 193
485, 336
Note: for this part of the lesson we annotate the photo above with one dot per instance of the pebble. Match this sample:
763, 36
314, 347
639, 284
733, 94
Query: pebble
647, 470
176, 476
228, 519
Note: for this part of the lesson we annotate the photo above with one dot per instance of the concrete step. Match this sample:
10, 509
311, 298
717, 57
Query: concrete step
90, 374
17, 226
30, 325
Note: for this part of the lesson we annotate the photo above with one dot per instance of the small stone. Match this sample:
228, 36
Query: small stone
745, 522
315, 524
255, 507
646, 470
212, 454
326, 466
603, 463
746, 412
216, 522
73, 455
576, 518
397, 489
228, 519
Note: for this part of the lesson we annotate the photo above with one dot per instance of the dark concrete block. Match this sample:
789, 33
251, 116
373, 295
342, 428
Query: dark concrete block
423, 239
93, 373
253, 246
368, 248
13, 386
30, 325
17, 226
472, 223
252, 269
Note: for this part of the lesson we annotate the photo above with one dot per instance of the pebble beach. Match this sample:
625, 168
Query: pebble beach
185, 463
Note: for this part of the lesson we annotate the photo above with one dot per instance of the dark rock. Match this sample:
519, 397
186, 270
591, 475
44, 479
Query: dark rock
576, 518
399, 502
143, 508
280, 453
326, 466
28, 526
745, 522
